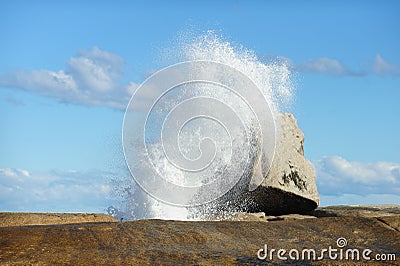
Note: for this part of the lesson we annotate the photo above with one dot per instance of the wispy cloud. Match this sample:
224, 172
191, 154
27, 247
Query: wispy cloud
333, 67
54, 191
337, 176
91, 78
320, 65
95, 77
326, 66
382, 67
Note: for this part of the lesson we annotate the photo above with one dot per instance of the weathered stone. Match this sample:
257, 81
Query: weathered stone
393, 222
295, 217
290, 186
239, 216
21, 218
358, 211
257, 217
158, 242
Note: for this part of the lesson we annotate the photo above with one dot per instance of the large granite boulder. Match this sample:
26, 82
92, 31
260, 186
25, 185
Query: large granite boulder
290, 186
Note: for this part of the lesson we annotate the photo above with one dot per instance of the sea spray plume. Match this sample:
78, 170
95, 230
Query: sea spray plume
235, 200
204, 113
274, 82
273, 76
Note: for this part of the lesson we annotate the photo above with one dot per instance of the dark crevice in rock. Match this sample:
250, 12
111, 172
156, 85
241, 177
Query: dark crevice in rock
387, 224
301, 149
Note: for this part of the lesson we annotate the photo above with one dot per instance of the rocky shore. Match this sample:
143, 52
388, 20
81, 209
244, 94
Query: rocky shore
276, 223
99, 239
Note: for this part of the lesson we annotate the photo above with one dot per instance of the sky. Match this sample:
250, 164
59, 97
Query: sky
68, 69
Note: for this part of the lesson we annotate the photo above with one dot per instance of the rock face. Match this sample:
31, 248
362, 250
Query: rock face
290, 186
19, 219
160, 242
380, 210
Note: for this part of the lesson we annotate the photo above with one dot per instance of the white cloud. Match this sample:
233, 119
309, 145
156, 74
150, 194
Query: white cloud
14, 173
96, 69
337, 176
333, 67
382, 67
325, 66
55, 191
91, 78
94, 77
319, 65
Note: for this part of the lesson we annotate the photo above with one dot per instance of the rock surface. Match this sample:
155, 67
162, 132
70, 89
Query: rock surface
290, 186
19, 219
358, 211
258, 217
160, 242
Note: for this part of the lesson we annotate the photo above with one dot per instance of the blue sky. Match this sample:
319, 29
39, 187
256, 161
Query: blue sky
347, 89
